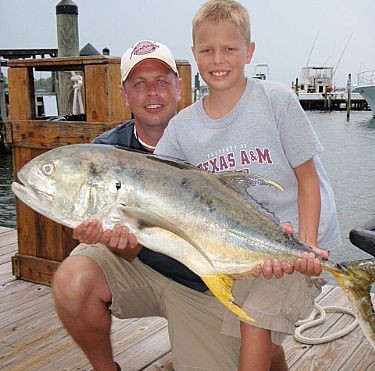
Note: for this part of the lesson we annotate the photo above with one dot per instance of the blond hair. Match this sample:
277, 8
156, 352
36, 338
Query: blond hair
216, 11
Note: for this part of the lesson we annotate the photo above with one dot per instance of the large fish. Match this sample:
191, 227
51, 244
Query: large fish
206, 221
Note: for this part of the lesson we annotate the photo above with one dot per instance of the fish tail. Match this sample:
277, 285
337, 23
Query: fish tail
221, 286
356, 278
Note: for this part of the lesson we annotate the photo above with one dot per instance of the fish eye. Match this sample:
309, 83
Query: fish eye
48, 168
118, 185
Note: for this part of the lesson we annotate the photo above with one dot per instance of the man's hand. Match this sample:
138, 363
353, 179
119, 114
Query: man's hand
119, 240
88, 232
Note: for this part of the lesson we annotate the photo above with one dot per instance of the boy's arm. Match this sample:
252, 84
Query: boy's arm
309, 216
308, 202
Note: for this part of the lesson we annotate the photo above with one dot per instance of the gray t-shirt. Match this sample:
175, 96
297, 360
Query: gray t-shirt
267, 133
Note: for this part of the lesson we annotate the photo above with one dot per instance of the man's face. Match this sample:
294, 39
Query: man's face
152, 91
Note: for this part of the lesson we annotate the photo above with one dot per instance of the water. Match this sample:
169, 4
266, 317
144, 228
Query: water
349, 159
7, 200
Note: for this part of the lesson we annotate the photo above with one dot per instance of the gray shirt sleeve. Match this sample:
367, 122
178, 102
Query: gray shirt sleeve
297, 135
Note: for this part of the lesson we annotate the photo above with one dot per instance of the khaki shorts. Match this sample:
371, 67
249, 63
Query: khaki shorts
274, 304
194, 318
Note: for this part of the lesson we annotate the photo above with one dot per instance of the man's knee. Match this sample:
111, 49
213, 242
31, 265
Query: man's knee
77, 278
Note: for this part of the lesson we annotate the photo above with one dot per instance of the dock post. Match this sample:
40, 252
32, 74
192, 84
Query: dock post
68, 46
348, 98
3, 105
325, 101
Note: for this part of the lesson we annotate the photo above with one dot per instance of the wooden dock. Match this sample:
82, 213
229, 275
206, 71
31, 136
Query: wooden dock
32, 338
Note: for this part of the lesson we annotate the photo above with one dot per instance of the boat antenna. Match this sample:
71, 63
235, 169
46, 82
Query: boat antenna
334, 71
312, 47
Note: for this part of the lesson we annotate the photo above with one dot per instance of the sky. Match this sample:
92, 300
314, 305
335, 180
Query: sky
288, 33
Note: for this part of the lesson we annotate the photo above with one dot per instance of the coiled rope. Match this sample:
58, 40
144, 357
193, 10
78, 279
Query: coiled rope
322, 314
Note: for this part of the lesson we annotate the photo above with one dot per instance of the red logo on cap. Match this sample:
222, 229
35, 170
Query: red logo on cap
144, 47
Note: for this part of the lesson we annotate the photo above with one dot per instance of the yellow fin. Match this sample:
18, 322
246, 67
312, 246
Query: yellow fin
221, 286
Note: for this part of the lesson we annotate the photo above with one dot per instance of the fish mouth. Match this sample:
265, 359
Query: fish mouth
38, 201
30, 196
26, 194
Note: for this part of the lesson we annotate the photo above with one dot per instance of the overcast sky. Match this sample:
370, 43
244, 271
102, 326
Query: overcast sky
283, 30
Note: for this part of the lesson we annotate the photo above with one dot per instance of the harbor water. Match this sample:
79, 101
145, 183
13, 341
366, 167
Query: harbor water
349, 159
7, 200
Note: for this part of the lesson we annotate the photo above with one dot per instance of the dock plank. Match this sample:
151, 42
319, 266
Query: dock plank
32, 337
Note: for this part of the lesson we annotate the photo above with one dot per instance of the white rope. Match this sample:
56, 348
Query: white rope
312, 322
77, 94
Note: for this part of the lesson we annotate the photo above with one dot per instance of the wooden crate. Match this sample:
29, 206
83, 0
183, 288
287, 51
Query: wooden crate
43, 244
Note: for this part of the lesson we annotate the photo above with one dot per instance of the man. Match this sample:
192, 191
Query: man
119, 277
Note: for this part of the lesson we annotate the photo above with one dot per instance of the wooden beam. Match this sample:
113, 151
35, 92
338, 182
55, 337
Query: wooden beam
34, 269
51, 134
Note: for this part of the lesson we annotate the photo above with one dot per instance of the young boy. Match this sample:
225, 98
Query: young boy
258, 127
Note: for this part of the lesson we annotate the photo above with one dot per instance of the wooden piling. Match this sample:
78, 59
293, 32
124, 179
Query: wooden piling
184, 70
348, 99
68, 46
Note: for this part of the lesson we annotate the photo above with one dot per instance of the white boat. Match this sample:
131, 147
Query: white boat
366, 87
261, 71
315, 90
315, 82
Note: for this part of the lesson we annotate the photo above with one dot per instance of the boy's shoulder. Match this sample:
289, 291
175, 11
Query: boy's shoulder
274, 92
272, 87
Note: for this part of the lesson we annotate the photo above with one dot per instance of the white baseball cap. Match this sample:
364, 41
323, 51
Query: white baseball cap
146, 49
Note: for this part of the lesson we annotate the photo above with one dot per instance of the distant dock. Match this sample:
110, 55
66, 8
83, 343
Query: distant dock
315, 91
336, 101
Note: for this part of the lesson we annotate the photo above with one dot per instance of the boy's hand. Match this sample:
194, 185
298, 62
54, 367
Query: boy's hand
273, 269
308, 264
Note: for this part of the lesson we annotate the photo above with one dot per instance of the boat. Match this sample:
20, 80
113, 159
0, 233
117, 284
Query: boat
366, 87
363, 236
261, 71
316, 91
315, 82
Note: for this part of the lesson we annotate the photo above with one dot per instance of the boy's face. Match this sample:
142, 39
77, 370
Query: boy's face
221, 53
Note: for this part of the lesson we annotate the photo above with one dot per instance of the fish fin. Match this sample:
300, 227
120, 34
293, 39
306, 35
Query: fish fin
173, 161
148, 219
242, 182
239, 182
221, 286
356, 278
